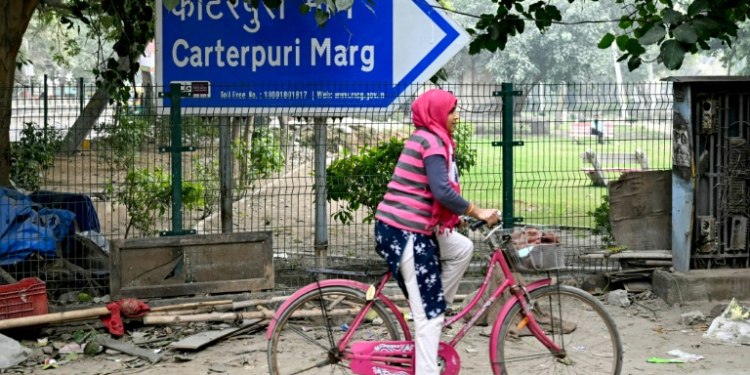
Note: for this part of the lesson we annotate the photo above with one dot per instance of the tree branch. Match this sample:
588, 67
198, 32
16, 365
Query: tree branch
56, 4
507, 20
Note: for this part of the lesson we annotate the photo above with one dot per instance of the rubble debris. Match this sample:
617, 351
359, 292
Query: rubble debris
733, 325
50, 363
217, 367
685, 356
128, 348
202, 339
618, 297
692, 318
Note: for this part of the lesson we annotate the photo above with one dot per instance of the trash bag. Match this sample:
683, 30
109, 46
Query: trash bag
11, 352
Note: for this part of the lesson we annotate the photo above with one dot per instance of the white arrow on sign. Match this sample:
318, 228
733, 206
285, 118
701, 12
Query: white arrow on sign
416, 35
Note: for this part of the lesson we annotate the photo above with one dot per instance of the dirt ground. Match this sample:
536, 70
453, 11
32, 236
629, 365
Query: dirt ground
648, 329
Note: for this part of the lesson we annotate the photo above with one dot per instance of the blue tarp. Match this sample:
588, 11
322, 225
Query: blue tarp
27, 227
79, 204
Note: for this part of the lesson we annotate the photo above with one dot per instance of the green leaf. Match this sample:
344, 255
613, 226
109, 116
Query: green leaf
80, 336
622, 42
634, 48
685, 33
634, 63
520, 25
171, 4
697, 7
704, 26
625, 22
606, 41
91, 348
321, 17
304, 9
494, 31
672, 16
344, 4
554, 13
672, 53
653, 35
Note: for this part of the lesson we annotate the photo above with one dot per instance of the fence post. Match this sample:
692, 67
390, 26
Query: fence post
507, 144
81, 97
321, 214
225, 168
175, 95
46, 108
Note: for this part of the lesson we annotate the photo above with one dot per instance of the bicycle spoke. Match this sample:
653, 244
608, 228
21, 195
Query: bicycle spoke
319, 364
308, 338
295, 349
528, 357
573, 320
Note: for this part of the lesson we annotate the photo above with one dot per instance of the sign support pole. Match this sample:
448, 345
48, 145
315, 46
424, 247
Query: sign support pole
225, 166
321, 212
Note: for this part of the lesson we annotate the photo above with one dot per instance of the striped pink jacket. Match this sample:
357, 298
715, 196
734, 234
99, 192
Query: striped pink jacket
408, 200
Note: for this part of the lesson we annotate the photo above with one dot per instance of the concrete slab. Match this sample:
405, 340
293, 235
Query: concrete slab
701, 285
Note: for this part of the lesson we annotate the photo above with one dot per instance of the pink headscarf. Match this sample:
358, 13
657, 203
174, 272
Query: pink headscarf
430, 111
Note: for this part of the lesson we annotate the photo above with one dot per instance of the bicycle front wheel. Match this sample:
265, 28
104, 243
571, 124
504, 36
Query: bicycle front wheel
300, 342
575, 321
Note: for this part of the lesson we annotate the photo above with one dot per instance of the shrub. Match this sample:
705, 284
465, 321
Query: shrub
602, 225
33, 154
148, 195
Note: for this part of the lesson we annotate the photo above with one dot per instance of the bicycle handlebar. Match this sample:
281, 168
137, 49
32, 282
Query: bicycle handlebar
477, 224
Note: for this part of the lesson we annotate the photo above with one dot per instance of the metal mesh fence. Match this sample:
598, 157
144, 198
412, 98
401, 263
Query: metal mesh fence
118, 183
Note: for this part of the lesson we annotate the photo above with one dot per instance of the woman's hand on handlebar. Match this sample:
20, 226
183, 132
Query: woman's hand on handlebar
489, 215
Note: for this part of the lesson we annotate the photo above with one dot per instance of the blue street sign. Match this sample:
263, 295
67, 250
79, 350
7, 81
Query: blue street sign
234, 56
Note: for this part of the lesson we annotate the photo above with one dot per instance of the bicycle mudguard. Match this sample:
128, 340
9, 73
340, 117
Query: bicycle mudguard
342, 283
495, 336
382, 357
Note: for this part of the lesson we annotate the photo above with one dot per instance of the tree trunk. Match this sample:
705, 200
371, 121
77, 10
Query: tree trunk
91, 112
14, 19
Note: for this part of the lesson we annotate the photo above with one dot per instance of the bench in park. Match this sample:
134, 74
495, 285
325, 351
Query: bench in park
602, 163
582, 130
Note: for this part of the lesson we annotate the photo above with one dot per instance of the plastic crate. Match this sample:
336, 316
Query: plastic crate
27, 297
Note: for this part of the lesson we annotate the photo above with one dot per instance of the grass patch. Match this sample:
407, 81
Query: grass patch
549, 187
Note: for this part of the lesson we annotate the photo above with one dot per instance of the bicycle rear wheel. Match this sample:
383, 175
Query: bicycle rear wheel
575, 321
300, 341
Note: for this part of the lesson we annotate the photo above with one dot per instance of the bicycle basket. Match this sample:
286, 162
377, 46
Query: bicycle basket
536, 249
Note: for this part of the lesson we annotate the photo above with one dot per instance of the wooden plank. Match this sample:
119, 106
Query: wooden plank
202, 339
628, 254
188, 265
640, 210
228, 286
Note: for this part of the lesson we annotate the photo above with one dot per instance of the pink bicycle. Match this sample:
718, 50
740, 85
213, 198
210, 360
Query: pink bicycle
346, 327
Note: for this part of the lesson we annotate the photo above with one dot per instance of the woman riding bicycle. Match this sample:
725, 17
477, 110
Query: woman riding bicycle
415, 222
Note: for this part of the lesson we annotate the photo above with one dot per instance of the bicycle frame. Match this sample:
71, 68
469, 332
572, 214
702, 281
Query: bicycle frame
517, 295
